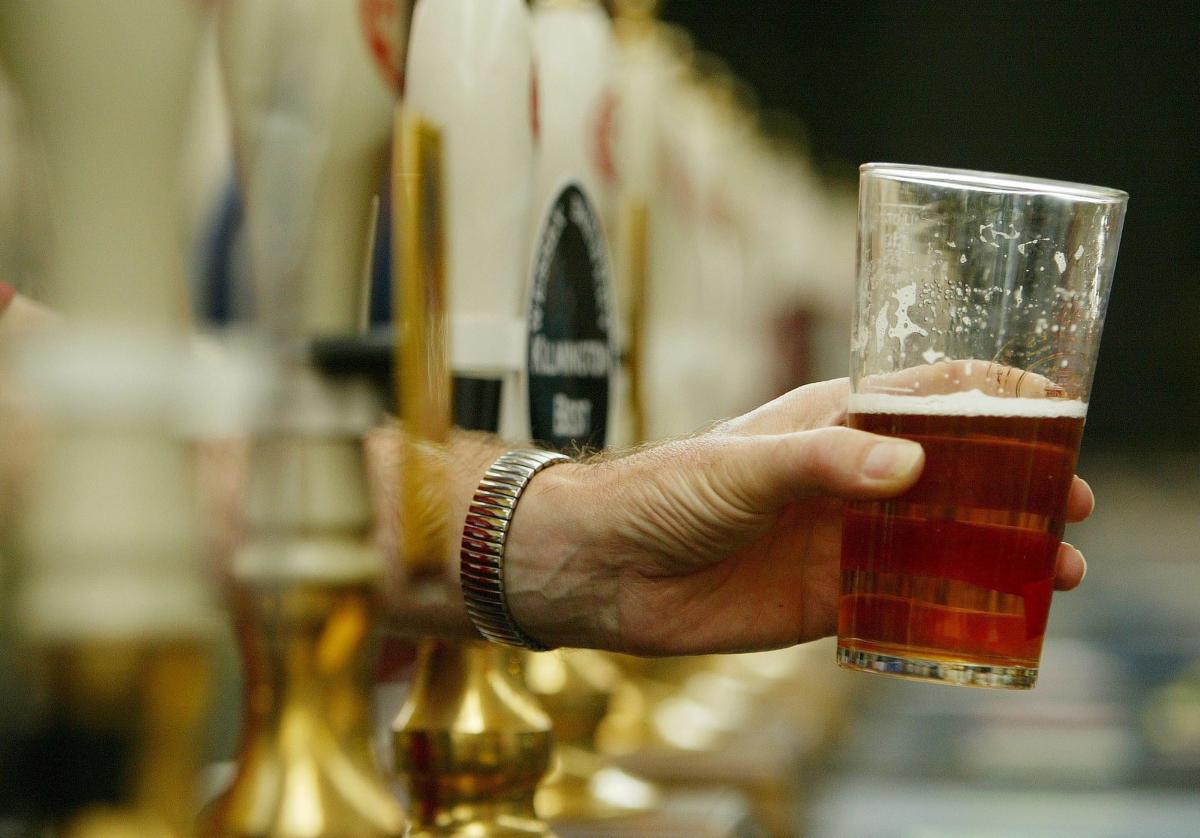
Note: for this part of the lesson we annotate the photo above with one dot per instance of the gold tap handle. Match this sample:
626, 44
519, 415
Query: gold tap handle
422, 373
634, 263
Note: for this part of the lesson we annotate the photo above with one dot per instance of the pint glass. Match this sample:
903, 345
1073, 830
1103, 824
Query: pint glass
980, 303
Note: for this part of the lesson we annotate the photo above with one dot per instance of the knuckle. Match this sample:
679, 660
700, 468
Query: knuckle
835, 456
827, 452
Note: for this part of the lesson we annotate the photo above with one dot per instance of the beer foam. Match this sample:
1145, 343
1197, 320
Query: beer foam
967, 403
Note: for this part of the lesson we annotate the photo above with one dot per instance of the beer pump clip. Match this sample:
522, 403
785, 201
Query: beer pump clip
571, 315
312, 112
115, 600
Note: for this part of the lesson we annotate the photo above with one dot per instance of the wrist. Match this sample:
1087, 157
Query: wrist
556, 585
432, 605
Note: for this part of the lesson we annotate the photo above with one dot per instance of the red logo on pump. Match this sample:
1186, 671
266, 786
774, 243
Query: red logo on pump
381, 24
603, 127
535, 125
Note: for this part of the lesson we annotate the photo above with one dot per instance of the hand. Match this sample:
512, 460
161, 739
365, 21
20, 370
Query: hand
728, 541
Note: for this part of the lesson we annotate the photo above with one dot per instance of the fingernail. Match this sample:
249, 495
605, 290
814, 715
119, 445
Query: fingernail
1082, 558
892, 460
1090, 491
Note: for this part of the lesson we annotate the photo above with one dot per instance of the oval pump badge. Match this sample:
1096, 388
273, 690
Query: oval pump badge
572, 348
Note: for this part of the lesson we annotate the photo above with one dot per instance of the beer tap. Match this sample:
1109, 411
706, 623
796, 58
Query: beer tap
470, 739
573, 314
312, 103
114, 599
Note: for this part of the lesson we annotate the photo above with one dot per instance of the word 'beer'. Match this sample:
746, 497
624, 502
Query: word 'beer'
960, 568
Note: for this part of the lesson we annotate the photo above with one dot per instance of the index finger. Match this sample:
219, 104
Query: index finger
820, 405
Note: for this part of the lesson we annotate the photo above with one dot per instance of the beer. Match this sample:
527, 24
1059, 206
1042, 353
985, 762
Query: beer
956, 574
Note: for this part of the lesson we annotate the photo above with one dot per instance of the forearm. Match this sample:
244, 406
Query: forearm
550, 581
432, 605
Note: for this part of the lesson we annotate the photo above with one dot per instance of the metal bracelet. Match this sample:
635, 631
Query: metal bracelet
485, 532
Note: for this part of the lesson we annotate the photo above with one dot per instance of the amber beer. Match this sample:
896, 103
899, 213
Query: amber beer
960, 568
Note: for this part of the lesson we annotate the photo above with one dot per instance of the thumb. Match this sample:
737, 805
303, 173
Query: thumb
770, 471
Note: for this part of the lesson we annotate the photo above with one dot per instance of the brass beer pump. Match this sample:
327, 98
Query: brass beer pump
114, 599
470, 740
311, 110
473, 744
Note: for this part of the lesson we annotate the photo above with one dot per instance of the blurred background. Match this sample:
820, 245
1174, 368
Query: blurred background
740, 130
1088, 92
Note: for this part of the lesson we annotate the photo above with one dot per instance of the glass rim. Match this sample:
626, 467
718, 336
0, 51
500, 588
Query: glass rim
993, 182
